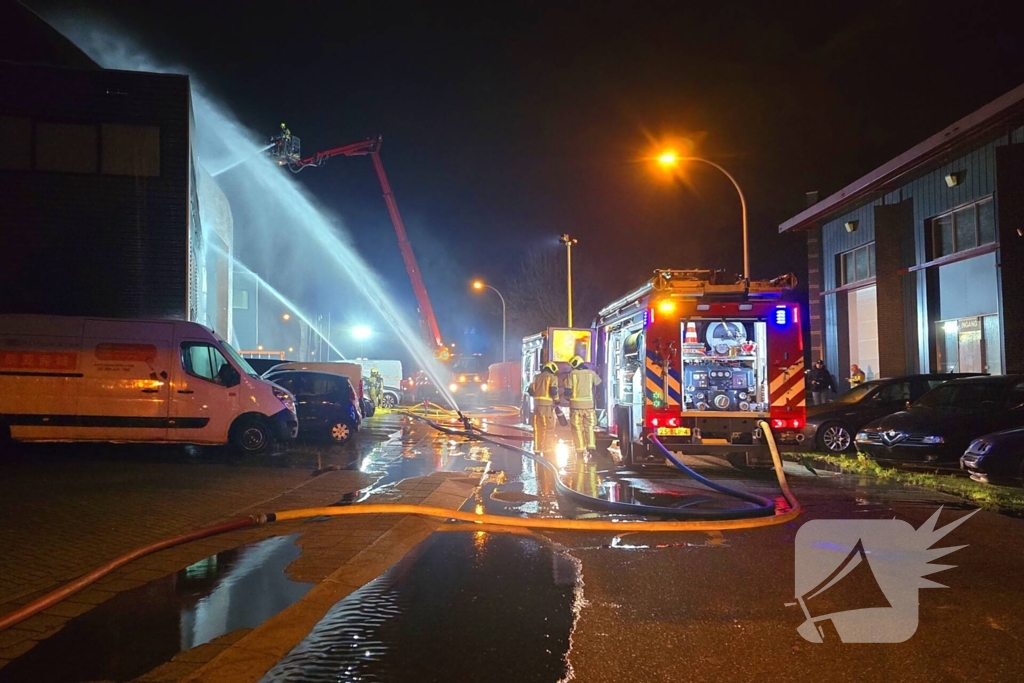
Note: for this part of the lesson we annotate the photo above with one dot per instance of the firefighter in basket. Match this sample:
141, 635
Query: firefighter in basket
579, 389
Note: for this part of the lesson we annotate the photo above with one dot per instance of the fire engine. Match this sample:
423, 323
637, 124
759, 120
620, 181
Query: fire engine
698, 358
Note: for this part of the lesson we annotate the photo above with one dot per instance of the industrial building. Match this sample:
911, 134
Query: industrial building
918, 266
104, 208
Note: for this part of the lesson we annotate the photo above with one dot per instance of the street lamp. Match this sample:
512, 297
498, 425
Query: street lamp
361, 333
479, 285
568, 241
286, 317
670, 159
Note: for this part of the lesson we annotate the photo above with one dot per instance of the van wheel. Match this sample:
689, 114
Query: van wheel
340, 432
251, 436
389, 401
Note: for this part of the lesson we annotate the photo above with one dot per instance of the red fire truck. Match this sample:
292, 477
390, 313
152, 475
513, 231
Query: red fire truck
698, 358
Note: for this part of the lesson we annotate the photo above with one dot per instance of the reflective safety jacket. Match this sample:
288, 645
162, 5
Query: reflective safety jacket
579, 388
544, 387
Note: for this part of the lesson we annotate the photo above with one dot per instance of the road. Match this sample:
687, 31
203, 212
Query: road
637, 606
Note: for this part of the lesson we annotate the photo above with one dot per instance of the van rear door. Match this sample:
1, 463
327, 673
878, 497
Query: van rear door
204, 406
125, 391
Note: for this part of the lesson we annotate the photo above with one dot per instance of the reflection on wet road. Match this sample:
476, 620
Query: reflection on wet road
138, 629
473, 606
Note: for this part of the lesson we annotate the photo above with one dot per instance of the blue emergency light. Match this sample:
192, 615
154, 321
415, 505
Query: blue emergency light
780, 315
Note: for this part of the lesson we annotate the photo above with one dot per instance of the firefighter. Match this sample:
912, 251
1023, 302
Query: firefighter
579, 389
376, 387
857, 376
544, 390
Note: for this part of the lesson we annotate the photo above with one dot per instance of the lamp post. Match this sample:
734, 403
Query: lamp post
568, 241
670, 159
479, 286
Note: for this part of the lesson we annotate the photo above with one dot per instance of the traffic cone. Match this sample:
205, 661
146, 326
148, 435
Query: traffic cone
691, 333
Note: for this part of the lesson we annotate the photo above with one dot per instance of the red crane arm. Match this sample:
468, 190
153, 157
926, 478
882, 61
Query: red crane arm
371, 147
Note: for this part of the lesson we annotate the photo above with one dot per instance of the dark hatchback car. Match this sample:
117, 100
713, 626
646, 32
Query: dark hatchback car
996, 457
323, 402
831, 427
939, 427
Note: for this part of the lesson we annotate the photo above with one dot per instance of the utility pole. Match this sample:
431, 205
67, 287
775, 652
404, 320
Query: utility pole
568, 241
257, 307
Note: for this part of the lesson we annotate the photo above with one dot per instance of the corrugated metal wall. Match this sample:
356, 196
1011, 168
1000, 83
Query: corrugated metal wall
931, 197
91, 244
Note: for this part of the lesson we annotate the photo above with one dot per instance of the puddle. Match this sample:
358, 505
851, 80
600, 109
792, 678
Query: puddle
137, 630
458, 605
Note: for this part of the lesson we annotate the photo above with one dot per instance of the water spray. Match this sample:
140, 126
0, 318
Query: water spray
241, 161
280, 297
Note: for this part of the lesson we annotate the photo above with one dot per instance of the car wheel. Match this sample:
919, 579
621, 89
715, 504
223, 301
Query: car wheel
389, 401
834, 437
251, 436
340, 432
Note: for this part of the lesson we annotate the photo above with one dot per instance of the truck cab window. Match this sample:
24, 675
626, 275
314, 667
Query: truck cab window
204, 361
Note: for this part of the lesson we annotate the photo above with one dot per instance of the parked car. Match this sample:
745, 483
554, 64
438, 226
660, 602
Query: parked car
831, 427
342, 368
939, 427
324, 403
996, 457
101, 379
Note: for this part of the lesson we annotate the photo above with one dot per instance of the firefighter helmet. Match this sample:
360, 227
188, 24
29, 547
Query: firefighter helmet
551, 367
575, 362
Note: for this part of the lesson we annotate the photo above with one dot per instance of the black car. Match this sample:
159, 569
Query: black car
831, 427
939, 427
996, 457
323, 401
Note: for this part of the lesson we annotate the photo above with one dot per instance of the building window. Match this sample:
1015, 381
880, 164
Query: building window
965, 228
240, 299
67, 147
130, 150
15, 143
969, 345
857, 264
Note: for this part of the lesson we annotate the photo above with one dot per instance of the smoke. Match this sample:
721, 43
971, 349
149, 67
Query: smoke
280, 229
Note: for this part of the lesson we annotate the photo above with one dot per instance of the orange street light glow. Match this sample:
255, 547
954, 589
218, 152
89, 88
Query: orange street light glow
477, 284
668, 158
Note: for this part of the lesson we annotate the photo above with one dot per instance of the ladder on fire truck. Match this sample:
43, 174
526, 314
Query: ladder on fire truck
286, 150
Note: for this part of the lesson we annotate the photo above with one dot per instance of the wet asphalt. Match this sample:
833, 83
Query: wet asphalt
635, 606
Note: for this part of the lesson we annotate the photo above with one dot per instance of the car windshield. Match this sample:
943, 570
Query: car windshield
858, 393
474, 364
963, 395
242, 364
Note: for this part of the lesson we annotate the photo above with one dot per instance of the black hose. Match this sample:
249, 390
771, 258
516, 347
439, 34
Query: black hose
764, 507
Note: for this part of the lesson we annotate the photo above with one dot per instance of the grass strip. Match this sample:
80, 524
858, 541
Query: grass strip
1003, 499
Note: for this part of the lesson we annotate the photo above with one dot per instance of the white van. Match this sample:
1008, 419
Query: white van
92, 379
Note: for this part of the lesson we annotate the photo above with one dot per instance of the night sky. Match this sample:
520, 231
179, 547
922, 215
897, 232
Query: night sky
506, 124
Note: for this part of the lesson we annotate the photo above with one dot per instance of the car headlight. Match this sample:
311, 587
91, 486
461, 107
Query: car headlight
979, 446
861, 436
453, 387
933, 439
285, 398
462, 378
483, 387
476, 378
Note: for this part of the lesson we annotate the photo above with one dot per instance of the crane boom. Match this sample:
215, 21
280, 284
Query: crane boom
286, 150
